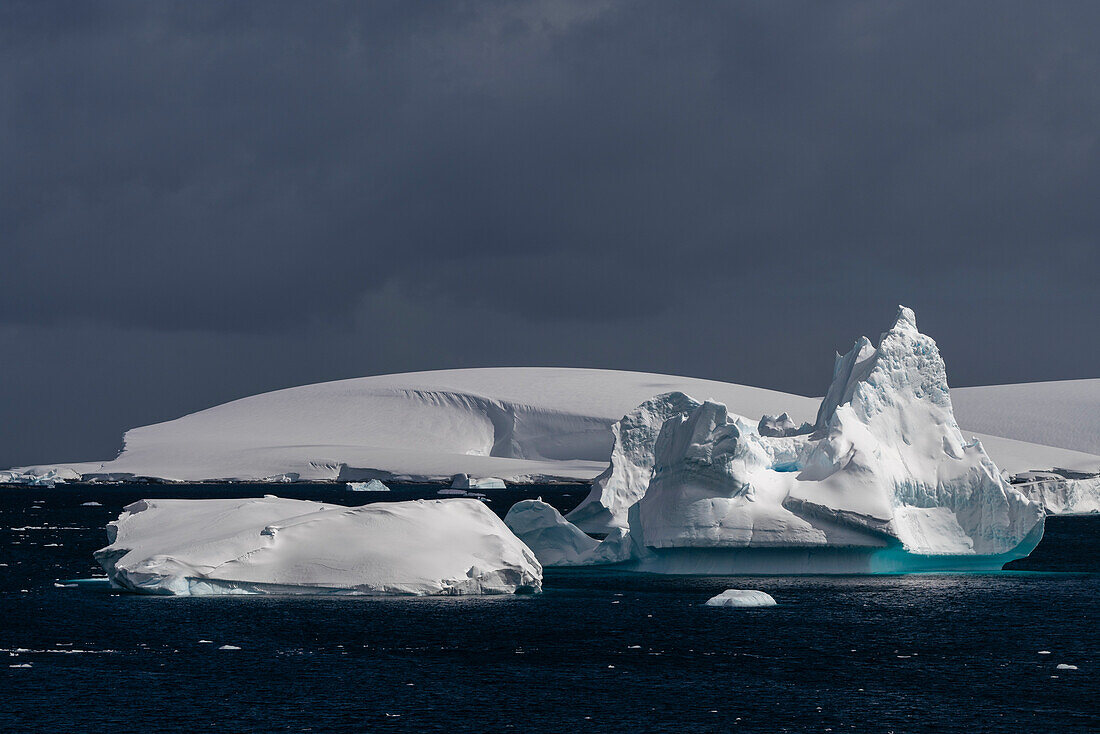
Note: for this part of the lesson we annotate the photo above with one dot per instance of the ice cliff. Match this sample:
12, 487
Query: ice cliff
1061, 495
283, 546
885, 482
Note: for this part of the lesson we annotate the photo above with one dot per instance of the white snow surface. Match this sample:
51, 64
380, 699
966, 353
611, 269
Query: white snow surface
274, 545
558, 542
525, 424
741, 598
1065, 413
516, 423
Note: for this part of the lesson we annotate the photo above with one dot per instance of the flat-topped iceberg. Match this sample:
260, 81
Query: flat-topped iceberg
465, 481
282, 546
884, 482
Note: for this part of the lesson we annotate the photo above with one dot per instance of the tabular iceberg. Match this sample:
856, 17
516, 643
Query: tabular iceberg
465, 481
281, 546
885, 482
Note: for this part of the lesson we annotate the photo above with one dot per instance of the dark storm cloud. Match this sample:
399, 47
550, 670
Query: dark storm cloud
215, 199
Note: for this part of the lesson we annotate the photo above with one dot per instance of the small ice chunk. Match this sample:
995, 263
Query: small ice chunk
229, 647
206, 642
1065, 666
1044, 652
741, 598
20, 665
372, 486
91, 504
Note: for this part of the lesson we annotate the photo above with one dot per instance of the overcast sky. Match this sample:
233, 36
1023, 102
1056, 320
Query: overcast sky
204, 201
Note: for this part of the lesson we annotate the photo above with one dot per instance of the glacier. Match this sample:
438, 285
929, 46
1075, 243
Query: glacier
523, 425
283, 546
885, 482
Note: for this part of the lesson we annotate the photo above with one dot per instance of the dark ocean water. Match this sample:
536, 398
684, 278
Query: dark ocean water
595, 652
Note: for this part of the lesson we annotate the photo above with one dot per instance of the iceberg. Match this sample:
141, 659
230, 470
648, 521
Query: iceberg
465, 481
554, 540
283, 546
626, 478
48, 478
885, 482
1060, 495
781, 425
741, 599
372, 486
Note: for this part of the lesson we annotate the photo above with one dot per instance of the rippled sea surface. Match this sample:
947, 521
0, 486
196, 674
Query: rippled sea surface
595, 652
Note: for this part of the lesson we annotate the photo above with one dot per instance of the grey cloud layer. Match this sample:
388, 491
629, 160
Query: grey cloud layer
640, 185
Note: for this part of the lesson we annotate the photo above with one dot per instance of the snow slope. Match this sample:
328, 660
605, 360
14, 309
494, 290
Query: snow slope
1064, 413
514, 423
530, 423
274, 545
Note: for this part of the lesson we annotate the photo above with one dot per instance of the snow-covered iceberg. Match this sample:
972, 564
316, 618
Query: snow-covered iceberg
885, 482
554, 540
558, 542
282, 546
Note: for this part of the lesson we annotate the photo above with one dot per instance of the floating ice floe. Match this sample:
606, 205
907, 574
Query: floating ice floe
47, 478
742, 598
372, 486
283, 546
885, 482
465, 481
